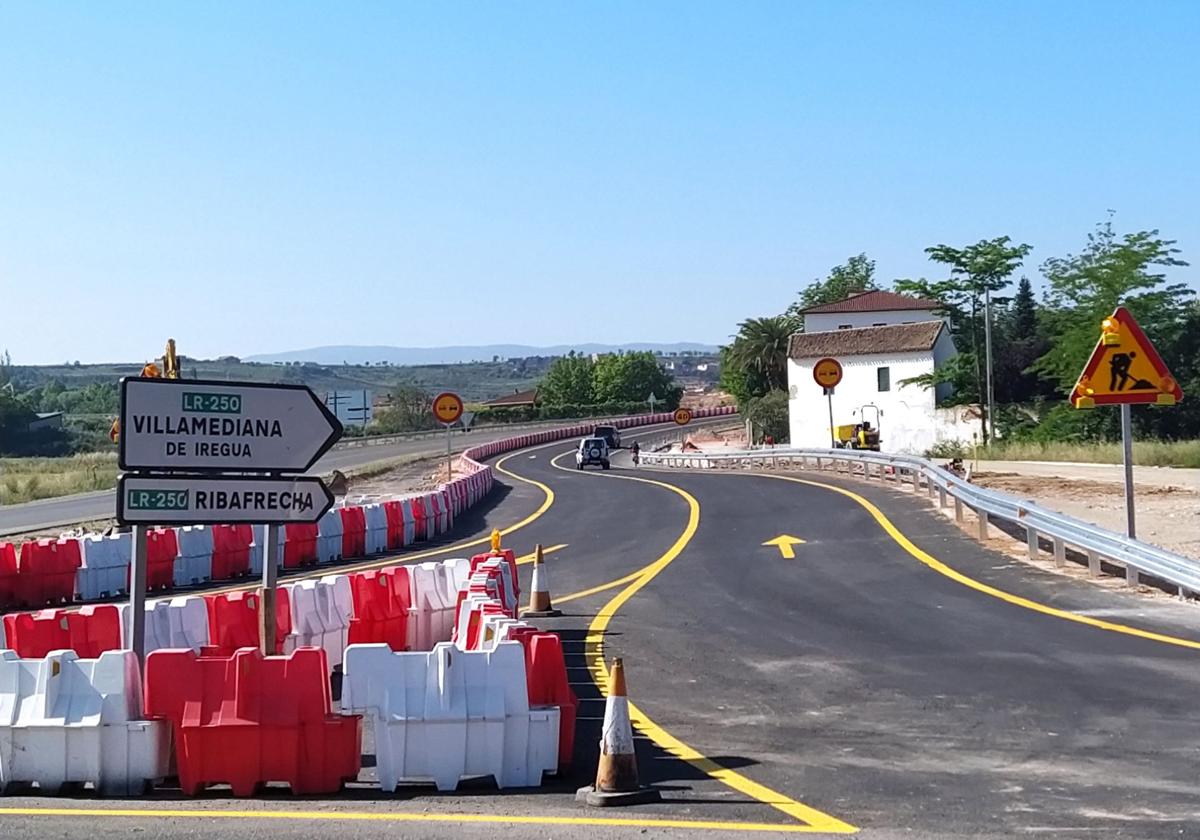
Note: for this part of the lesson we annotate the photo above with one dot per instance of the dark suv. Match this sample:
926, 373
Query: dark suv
610, 434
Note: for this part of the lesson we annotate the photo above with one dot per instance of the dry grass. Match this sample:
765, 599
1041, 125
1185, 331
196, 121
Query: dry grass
1184, 453
27, 479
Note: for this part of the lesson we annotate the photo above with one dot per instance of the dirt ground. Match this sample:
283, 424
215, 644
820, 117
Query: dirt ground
1167, 516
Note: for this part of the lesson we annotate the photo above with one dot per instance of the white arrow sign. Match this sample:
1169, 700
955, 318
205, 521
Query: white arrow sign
191, 425
203, 500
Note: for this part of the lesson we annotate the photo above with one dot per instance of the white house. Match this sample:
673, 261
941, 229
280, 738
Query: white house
868, 309
875, 361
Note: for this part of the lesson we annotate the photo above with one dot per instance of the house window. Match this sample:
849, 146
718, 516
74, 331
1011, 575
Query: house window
843, 326
880, 324
885, 378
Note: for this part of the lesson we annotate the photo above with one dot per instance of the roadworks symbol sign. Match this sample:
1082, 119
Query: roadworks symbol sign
1125, 368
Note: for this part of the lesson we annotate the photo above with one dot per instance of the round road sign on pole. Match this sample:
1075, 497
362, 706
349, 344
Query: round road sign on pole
447, 407
683, 416
827, 372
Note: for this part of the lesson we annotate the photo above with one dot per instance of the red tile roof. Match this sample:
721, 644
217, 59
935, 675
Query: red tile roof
866, 341
519, 398
876, 301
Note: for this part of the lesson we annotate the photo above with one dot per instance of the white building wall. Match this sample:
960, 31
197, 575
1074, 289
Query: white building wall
910, 422
822, 322
943, 350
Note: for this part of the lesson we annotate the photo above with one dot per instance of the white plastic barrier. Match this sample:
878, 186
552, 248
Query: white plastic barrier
376, 518
340, 606
180, 622
329, 539
495, 629
105, 569
194, 563
446, 715
410, 521
321, 612
69, 720
458, 569
431, 616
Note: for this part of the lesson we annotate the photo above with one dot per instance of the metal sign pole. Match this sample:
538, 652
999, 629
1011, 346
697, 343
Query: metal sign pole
832, 438
1127, 446
266, 610
449, 457
137, 596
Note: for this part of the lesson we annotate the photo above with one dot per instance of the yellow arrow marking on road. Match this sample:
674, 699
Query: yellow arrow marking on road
786, 543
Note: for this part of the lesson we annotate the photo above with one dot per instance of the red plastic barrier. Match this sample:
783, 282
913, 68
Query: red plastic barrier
33, 635
546, 674
395, 524
8, 574
246, 720
300, 545
46, 571
382, 598
89, 632
162, 547
231, 551
447, 505
421, 517
94, 629
233, 620
354, 532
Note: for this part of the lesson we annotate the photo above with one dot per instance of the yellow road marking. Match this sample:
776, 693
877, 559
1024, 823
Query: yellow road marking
594, 642
786, 544
942, 569
528, 558
207, 812
604, 587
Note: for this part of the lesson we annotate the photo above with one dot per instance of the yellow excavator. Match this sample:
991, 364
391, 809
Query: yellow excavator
169, 370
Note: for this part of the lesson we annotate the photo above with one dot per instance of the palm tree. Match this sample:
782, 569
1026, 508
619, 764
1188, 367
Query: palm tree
761, 349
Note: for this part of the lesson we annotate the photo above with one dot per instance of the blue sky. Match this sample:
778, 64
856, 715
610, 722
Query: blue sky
257, 177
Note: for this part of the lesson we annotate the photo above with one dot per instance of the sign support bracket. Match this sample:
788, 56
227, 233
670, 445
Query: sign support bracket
1127, 449
136, 628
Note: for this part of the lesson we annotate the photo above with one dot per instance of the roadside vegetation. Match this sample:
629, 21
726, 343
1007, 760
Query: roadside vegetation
29, 479
1146, 453
1040, 345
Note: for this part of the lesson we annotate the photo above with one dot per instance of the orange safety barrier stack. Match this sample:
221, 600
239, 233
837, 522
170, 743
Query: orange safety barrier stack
46, 571
300, 545
382, 599
246, 720
233, 620
354, 531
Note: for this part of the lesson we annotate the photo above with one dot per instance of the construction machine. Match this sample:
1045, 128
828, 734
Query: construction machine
860, 435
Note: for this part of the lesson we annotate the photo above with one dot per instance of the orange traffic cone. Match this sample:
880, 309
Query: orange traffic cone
539, 599
616, 775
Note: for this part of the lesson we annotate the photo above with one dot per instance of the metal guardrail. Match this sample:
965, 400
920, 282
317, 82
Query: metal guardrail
383, 440
1060, 530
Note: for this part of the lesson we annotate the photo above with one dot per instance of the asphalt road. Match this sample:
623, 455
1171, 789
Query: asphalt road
892, 677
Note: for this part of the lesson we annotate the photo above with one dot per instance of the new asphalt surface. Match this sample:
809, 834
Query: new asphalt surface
893, 677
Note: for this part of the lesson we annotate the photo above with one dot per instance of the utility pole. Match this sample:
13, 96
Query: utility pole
987, 340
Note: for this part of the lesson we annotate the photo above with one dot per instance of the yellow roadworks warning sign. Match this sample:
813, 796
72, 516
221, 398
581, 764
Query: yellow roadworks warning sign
1125, 368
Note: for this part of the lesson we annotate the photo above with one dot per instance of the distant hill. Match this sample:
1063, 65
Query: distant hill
357, 354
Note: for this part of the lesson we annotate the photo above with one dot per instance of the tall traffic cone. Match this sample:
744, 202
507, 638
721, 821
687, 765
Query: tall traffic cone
539, 598
616, 775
